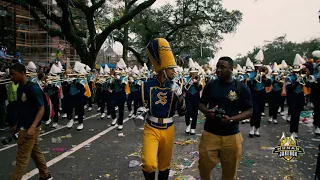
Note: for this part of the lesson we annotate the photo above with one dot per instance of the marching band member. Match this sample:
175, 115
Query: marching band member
283, 73
135, 92
257, 83
118, 94
192, 90
249, 68
274, 95
162, 97
315, 97
105, 92
295, 95
32, 72
77, 96
52, 89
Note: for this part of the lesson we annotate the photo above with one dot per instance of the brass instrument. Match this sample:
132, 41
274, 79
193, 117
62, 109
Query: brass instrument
303, 76
312, 79
241, 78
194, 79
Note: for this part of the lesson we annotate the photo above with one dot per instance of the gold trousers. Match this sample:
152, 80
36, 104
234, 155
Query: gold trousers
157, 143
29, 148
214, 148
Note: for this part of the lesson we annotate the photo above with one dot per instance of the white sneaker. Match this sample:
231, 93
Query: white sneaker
48, 122
103, 115
131, 113
270, 119
282, 113
90, 109
54, 125
114, 122
243, 121
288, 118
76, 116
275, 121
109, 117
266, 104
257, 133
120, 127
98, 109
294, 135
64, 115
263, 114
251, 132
85, 107
116, 108
70, 124
247, 120
80, 127
317, 131
192, 131
59, 114
188, 129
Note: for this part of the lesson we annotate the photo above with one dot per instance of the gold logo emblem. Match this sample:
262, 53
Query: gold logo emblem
23, 97
162, 98
232, 96
288, 148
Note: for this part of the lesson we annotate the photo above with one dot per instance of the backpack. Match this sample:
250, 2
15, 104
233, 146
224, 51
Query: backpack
48, 106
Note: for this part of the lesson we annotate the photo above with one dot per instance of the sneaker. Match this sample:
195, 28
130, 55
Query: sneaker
48, 122
257, 133
266, 104
192, 131
54, 125
131, 113
90, 109
85, 107
76, 117
103, 115
270, 120
120, 127
114, 122
80, 127
109, 117
47, 178
288, 118
294, 135
188, 129
64, 115
317, 131
98, 109
247, 120
70, 124
59, 114
251, 132
243, 121
116, 108
263, 114
275, 121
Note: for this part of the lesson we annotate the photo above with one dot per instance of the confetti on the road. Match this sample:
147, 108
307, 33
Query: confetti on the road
56, 140
120, 135
59, 149
183, 143
314, 139
134, 163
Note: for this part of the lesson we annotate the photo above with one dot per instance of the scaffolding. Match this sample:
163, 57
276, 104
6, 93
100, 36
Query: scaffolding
33, 42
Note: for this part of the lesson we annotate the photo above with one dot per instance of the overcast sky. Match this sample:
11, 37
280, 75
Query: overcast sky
266, 19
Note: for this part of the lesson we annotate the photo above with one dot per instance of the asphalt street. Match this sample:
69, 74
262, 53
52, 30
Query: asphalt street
99, 151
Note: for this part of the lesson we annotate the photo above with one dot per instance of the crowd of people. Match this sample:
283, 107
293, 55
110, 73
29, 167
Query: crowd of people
224, 94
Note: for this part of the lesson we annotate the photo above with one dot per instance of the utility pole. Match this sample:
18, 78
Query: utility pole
125, 34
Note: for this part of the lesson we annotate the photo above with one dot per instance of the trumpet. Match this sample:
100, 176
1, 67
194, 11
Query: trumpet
241, 78
301, 80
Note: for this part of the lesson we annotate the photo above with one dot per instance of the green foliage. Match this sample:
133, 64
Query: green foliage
281, 49
187, 25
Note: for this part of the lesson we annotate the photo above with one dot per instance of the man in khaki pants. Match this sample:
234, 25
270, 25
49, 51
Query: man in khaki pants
221, 140
30, 99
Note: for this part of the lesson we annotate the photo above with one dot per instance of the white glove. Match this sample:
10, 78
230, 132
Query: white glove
117, 77
176, 89
142, 110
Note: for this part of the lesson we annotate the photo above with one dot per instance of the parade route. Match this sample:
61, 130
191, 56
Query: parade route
99, 151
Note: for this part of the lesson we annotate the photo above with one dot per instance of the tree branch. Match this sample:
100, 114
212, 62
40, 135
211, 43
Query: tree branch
117, 24
96, 6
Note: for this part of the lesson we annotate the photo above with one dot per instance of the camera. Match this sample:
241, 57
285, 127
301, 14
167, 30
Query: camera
219, 112
8, 140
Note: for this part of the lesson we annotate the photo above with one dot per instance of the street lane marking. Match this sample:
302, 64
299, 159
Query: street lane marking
49, 132
71, 151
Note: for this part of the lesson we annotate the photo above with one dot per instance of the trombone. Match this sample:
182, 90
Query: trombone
194, 79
